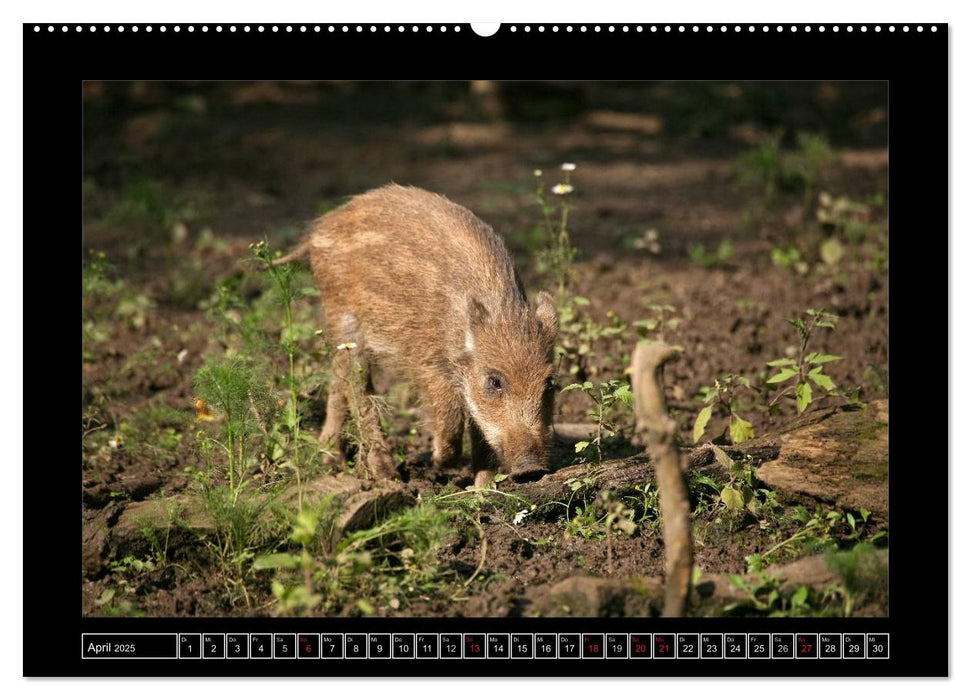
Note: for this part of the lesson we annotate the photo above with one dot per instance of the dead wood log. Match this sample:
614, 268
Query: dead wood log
655, 428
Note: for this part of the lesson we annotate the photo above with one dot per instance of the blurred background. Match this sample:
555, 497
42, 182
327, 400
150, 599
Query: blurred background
253, 159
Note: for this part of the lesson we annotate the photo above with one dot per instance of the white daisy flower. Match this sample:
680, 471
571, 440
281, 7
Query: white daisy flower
347, 346
520, 516
562, 189
537, 173
568, 166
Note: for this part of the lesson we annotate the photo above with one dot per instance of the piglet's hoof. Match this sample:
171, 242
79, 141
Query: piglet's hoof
484, 478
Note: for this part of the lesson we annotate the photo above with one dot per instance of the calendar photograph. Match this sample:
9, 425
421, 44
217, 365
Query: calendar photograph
485, 349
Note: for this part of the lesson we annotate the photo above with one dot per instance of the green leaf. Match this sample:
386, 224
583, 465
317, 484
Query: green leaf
804, 396
304, 527
819, 359
787, 373
581, 301
737, 581
831, 251
581, 446
624, 394
781, 363
748, 496
704, 415
722, 457
741, 430
278, 560
571, 387
800, 596
821, 380
732, 498
851, 520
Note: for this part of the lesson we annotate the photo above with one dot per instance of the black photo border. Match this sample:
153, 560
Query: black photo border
913, 59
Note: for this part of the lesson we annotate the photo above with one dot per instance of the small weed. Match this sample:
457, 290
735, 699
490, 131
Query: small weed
114, 606
797, 376
762, 165
767, 597
819, 531
719, 257
557, 259
724, 396
603, 519
737, 499
579, 335
389, 564
155, 432
790, 257
149, 205
605, 396
236, 390
661, 319
770, 169
848, 223
813, 154
863, 575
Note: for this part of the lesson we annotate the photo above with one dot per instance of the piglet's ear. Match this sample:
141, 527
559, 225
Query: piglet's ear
546, 315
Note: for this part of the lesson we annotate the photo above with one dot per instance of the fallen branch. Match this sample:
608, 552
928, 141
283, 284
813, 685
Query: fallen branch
655, 428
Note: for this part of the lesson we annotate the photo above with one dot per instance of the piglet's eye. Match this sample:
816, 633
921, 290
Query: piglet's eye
493, 382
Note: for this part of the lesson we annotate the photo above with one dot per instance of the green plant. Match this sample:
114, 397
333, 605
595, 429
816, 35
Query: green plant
863, 574
797, 376
648, 505
96, 278
791, 257
604, 518
817, 531
724, 395
605, 396
392, 562
845, 220
661, 318
237, 391
579, 335
283, 279
719, 257
814, 153
767, 597
306, 532
762, 166
114, 606
155, 431
558, 257
243, 521
769, 168
148, 204
738, 497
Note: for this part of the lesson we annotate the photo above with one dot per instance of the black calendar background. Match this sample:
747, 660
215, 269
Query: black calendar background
915, 64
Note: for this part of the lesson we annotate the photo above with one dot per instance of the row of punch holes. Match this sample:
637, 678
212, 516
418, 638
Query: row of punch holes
316, 28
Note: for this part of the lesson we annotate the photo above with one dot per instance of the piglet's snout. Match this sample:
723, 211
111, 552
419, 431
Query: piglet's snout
528, 467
